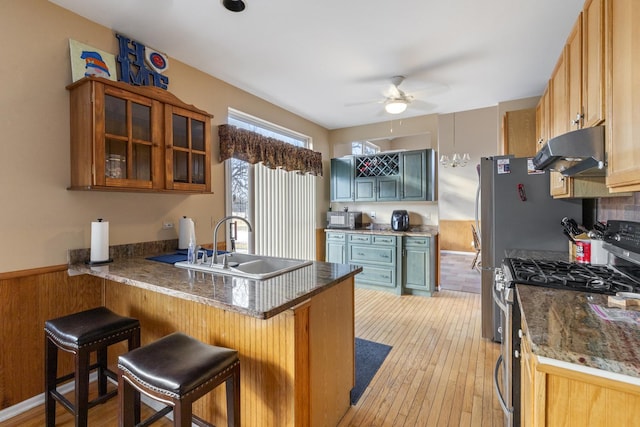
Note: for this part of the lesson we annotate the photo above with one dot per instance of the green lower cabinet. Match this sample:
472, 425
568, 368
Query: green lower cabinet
418, 261
378, 256
336, 249
402, 265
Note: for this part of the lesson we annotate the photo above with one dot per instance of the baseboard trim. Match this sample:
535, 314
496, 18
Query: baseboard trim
26, 405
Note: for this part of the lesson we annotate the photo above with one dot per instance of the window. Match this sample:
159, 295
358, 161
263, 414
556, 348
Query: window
364, 147
280, 205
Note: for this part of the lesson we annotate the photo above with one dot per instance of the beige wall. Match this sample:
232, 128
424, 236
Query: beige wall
39, 219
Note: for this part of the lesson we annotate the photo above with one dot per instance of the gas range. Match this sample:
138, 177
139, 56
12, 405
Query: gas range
621, 240
600, 279
622, 274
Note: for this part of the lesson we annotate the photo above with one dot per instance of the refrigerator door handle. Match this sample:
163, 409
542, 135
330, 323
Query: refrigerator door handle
521, 193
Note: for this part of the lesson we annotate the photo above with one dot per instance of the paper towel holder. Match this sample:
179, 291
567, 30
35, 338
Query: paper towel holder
101, 262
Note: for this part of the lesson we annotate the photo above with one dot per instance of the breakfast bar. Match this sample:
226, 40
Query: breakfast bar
294, 332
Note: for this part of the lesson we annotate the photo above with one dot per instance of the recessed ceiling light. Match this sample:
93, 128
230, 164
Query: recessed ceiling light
234, 5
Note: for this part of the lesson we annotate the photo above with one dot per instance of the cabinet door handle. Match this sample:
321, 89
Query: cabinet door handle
360, 253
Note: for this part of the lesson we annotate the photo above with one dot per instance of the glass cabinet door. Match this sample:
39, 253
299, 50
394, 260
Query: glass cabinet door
128, 141
188, 150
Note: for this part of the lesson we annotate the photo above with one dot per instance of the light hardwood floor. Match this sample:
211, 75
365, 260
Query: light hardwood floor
438, 373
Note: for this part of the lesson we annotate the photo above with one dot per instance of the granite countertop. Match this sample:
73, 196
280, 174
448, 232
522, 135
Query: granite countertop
537, 254
416, 230
565, 331
257, 298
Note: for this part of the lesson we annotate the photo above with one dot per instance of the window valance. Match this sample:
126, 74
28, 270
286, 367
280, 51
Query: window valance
255, 148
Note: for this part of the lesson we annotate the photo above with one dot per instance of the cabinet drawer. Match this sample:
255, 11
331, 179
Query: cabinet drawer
417, 242
360, 238
372, 254
377, 276
336, 237
384, 240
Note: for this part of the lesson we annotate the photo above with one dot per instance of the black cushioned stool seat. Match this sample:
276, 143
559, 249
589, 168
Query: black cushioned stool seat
81, 334
177, 370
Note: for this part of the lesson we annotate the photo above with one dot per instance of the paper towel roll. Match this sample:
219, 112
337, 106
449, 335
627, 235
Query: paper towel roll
187, 227
99, 241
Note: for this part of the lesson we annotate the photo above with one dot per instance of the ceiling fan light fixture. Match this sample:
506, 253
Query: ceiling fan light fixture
233, 5
395, 106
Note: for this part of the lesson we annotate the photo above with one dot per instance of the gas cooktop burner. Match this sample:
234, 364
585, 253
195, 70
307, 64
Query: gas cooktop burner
567, 275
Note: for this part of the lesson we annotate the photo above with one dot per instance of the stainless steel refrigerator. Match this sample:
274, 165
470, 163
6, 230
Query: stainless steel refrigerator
516, 212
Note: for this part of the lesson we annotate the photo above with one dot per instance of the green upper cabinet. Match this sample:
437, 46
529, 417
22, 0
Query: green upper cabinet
385, 177
342, 189
418, 175
380, 189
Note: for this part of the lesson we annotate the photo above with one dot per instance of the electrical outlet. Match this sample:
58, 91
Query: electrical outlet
167, 225
373, 214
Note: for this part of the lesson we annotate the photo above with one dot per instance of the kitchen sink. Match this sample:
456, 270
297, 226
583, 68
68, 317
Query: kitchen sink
256, 267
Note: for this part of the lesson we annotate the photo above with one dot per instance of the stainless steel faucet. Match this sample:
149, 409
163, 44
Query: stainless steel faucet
214, 259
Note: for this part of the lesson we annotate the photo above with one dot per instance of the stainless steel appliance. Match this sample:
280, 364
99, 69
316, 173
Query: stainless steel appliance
400, 220
516, 212
622, 274
344, 219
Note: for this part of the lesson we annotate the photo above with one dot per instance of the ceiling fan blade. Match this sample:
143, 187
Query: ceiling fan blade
432, 89
355, 104
422, 105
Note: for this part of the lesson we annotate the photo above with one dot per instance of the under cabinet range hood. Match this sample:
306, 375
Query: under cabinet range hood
579, 152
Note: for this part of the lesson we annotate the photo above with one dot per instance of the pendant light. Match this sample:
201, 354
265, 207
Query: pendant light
456, 159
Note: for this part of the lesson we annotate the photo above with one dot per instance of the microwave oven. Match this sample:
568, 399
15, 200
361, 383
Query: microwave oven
349, 220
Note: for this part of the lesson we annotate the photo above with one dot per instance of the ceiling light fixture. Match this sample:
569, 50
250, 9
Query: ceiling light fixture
456, 159
234, 5
395, 106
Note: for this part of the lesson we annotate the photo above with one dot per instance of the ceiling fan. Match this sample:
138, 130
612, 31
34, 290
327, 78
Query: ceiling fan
396, 100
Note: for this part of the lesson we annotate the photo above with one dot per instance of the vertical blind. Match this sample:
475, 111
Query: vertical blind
284, 216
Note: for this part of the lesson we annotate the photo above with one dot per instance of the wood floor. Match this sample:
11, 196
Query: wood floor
440, 370
438, 373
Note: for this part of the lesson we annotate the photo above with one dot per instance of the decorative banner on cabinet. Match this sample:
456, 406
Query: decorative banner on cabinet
133, 69
88, 61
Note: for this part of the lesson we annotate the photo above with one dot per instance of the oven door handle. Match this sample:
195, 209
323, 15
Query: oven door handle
503, 404
499, 303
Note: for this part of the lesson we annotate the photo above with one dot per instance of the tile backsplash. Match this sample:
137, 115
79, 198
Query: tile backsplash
619, 208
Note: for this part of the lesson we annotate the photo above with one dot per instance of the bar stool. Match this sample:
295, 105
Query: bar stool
81, 334
177, 370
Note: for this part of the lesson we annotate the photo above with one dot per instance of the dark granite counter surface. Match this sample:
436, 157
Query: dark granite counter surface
416, 230
257, 298
537, 254
565, 330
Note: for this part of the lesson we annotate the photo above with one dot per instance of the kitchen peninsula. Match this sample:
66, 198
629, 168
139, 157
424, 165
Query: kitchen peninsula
294, 332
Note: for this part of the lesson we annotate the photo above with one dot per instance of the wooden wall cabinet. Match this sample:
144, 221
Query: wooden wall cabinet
576, 96
543, 119
593, 63
519, 132
623, 95
132, 138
